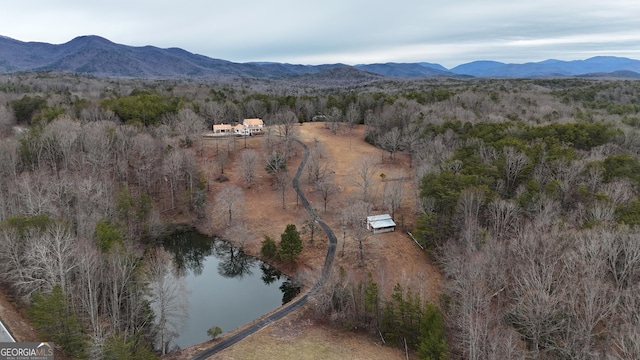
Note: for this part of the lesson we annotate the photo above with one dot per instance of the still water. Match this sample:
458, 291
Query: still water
228, 288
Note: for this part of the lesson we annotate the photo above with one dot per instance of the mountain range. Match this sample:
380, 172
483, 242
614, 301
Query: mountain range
100, 57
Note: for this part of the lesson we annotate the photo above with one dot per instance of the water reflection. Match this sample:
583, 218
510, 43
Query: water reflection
191, 248
290, 289
228, 288
269, 274
234, 263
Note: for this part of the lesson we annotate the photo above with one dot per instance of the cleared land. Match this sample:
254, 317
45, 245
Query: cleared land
391, 258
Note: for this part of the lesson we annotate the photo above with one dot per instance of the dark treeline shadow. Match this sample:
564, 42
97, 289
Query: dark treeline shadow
290, 289
269, 274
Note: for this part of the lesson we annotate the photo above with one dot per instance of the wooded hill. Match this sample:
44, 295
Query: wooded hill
98, 56
528, 199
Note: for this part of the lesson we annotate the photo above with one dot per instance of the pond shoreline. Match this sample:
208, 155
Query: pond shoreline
225, 286
200, 227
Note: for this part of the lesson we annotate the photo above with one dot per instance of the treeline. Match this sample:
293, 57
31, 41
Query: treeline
81, 203
532, 223
404, 319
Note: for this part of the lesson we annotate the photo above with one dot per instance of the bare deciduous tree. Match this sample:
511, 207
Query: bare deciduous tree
119, 295
355, 216
468, 215
33, 193
364, 170
352, 117
503, 217
222, 159
230, 199
392, 141
622, 251
173, 174
326, 188
282, 183
169, 297
286, 123
239, 234
7, 120
311, 226
62, 137
146, 157
189, 126
411, 137
394, 194
514, 163
89, 278
318, 164
214, 112
248, 166
334, 117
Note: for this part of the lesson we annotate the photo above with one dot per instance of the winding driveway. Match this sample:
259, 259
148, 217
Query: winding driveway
301, 300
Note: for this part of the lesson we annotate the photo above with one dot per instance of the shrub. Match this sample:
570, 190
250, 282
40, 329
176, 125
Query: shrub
214, 332
269, 247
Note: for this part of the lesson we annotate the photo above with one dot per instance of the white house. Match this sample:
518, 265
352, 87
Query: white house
241, 130
380, 223
251, 127
247, 128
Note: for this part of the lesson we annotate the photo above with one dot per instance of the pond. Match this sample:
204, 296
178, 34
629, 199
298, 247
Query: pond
228, 288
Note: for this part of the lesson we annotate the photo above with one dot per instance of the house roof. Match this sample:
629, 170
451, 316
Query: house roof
221, 126
256, 121
373, 218
383, 224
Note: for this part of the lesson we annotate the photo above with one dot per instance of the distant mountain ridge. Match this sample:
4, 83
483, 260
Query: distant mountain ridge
546, 68
101, 57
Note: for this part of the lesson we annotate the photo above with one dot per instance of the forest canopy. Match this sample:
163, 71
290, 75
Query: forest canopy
527, 197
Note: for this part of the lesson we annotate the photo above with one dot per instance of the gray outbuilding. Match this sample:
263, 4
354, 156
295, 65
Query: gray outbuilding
380, 223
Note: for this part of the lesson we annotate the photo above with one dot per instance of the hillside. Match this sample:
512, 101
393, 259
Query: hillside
101, 57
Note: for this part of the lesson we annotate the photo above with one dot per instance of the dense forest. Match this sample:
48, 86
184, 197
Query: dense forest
527, 188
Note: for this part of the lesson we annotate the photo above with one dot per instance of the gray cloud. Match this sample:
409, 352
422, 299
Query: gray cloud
348, 31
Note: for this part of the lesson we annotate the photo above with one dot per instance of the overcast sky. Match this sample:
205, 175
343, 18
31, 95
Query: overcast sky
448, 32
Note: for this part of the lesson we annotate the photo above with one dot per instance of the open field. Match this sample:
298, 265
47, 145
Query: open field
391, 258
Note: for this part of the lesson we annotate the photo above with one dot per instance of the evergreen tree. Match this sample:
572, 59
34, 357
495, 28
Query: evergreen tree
52, 316
118, 347
370, 299
412, 308
433, 344
269, 247
392, 322
290, 244
107, 234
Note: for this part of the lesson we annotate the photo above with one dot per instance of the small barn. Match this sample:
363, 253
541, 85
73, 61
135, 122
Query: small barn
380, 223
